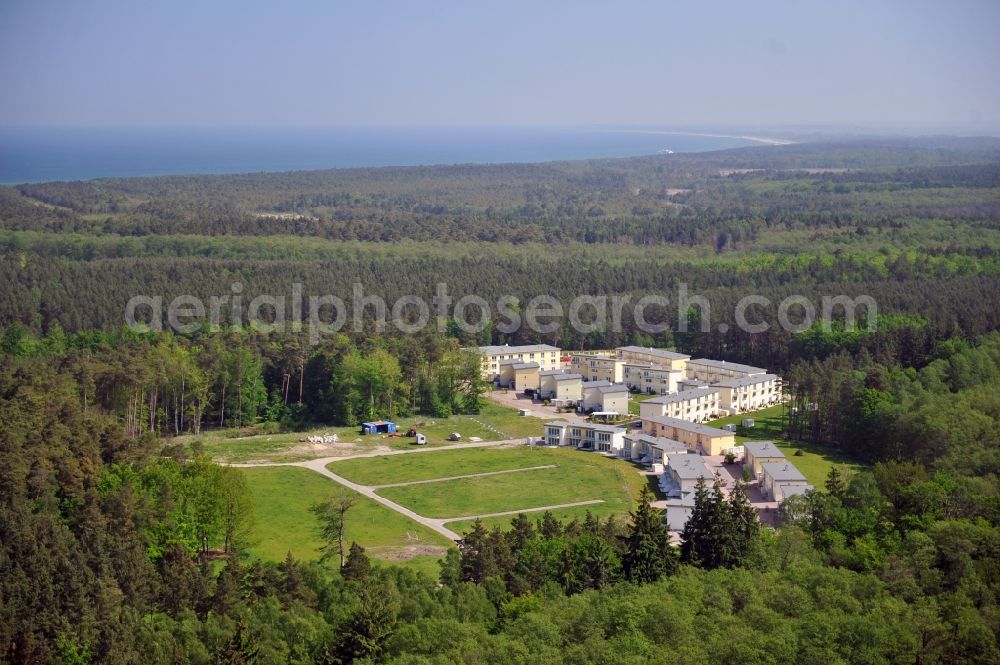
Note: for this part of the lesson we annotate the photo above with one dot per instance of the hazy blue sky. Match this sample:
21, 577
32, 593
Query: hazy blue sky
299, 63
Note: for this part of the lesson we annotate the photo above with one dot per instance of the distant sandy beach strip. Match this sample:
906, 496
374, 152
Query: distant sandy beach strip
759, 139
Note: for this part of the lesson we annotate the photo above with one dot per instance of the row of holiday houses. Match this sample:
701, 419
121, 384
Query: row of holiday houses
698, 389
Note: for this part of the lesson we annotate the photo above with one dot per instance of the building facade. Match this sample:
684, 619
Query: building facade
700, 439
604, 397
651, 379
586, 436
712, 371
546, 356
749, 393
645, 355
597, 367
696, 405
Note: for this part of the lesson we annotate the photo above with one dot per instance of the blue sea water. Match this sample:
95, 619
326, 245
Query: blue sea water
40, 155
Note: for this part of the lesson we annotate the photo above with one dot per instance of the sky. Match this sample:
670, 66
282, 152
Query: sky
298, 63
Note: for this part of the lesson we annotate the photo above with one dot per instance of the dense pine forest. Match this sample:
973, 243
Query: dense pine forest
117, 546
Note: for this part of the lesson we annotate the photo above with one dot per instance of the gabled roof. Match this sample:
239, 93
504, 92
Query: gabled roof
520, 365
612, 389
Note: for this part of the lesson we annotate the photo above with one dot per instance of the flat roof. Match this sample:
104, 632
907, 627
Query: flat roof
687, 425
567, 376
596, 384
763, 449
746, 381
682, 396
722, 364
795, 490
690, 467
659, 442
782, 471
650, 351
503, 348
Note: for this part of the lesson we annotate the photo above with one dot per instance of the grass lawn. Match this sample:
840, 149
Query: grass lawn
439, 464
563, 514
635, 399
282, 496
815, 461
580, 476
494, 423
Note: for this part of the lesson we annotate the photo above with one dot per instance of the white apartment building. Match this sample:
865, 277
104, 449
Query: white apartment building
546, 356
646, 355
695, 406
605, 397
587, 436
749, 393
651, 379
712, 371
596, 367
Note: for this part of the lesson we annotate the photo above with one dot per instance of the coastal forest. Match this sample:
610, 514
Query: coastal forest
118, 546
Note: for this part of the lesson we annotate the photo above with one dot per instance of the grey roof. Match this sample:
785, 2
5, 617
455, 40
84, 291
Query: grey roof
658, 353
503, 348
693, 382
690, 467
520, 365
722, 364
660, 442
601, 428
687, 425
746, 381
567, 376
558, 423
612, 389
552, 372
794, 490
782, 472
596, 384
682, 396
763, 449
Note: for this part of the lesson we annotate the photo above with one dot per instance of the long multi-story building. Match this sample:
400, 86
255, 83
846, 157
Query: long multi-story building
749, 393
712, 371
546, 356
695, 406
645, 355
596, 367
651, 379
700, 439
